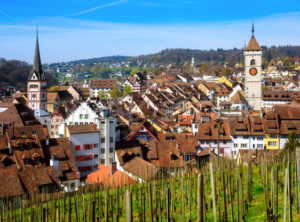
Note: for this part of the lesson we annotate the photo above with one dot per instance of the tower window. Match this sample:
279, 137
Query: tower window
34, 86
252, 62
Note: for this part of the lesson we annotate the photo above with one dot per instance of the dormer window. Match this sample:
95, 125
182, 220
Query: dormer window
252, 63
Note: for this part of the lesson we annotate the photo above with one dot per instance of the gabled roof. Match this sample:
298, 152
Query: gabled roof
103, 175
145, 126
18, 114
238, 98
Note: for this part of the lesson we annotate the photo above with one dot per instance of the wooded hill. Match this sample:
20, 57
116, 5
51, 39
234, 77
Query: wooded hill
180, 56
15, 73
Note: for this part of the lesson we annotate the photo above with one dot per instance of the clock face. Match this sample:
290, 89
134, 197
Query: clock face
253, 71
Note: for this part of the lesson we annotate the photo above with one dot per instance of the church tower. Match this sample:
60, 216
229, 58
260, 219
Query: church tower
253, 76
37, 83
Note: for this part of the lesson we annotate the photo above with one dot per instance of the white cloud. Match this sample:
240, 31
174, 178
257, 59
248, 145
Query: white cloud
65, 39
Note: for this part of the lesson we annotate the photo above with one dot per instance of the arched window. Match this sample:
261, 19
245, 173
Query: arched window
252, 62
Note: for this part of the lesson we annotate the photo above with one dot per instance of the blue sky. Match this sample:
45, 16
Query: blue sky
78, 29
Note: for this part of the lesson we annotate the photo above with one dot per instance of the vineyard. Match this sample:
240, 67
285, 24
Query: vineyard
266, 190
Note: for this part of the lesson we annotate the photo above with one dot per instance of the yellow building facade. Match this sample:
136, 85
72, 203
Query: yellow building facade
272, 141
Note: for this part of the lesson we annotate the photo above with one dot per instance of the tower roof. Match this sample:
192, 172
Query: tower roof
253, 44
37, 73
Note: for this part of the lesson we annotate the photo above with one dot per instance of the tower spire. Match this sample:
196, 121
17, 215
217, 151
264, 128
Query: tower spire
252, 28
37, 65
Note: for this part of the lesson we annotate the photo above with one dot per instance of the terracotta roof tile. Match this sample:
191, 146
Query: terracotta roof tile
253, 45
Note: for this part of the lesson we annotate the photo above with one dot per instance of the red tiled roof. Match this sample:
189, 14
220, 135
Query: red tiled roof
103, 83
103, 175
253, 45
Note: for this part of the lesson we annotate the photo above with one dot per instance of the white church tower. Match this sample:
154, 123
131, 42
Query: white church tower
253, 76
37, 83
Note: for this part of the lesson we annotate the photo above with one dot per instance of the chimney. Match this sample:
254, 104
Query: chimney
47, 141
113, 168
9, 147
54, 162
13, 130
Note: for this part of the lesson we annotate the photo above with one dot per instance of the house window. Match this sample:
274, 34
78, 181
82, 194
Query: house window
235, 145
253, 145
96, 156
96, 145
244, 145
80, 116
111, 149
111, 139
273, 136
202, 141
102, 161
102, 140
110, 160
260, 138
252, 63
245, 137
86, 116
77, 147
272, 143
260, 146
234, 137
102, 150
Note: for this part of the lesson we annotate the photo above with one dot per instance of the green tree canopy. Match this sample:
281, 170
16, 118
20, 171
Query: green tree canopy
102, 95
134, 71
127, 90
292, 142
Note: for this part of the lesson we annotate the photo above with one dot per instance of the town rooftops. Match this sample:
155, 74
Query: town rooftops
84, 128
18, 114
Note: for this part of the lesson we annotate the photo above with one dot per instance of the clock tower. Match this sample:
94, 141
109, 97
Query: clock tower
253, 77
37, 83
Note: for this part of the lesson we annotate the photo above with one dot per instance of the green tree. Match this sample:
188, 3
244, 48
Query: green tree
127, 90
292, 142
115, 92
134, 71
102, 95
225, 72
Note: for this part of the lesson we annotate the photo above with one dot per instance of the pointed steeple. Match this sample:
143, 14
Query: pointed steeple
37, 72
253, 44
